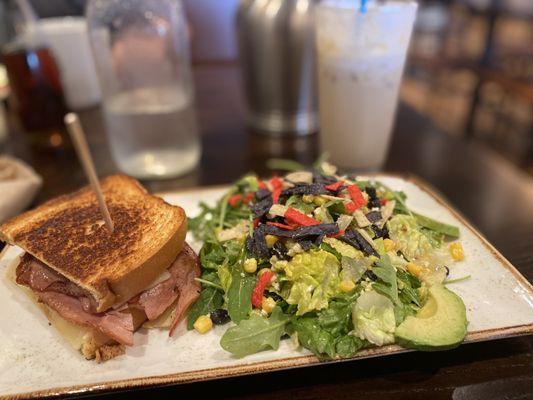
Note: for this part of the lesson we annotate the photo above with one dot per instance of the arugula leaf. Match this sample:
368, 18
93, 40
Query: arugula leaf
209, 300
284, 165
239, 295
337, 318
348, 346
437, 226
255, 334
326, 333
386, 284
212, 255
408, 292
295, 201
313, 337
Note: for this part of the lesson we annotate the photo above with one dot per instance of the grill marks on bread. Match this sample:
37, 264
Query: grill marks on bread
87, 239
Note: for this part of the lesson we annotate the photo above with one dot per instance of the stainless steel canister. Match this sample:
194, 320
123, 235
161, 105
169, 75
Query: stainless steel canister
276, 43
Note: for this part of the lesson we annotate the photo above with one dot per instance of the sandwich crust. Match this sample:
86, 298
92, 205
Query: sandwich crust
69, 235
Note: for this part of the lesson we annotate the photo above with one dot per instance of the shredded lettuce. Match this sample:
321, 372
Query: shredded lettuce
373, 318
313, 278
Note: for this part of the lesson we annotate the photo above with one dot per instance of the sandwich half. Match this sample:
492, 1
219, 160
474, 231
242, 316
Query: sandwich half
98, 287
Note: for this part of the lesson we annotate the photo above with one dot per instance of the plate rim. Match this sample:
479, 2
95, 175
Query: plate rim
292, 362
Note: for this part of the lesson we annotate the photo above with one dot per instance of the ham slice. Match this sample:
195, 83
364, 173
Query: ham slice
117, 325
180, 285
38, 276
76, 305
186, 268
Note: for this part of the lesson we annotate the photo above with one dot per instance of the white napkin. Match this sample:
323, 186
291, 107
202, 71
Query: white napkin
18, 185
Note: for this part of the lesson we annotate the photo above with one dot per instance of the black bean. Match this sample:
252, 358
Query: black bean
279, 250
219, 316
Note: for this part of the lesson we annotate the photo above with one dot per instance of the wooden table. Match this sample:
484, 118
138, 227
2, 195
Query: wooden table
494, 196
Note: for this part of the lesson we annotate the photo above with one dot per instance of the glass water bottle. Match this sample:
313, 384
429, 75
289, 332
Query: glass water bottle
141, 51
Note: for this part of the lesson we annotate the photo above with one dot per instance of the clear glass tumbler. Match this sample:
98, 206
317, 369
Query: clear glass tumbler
361, 56
141, 51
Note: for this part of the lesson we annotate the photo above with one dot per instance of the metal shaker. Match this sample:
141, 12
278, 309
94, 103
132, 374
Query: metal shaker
276, 45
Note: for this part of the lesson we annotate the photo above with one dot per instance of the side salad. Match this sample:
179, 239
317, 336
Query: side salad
334, 263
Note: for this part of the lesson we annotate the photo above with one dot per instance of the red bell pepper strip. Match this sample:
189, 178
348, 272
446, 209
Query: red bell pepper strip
357, 196
234, 200
279, 225
262, 185
383, 201
350, 207
277, 187
262, 282
275, 195
249, 196
256, 222
336, 235
334, 186
294, 217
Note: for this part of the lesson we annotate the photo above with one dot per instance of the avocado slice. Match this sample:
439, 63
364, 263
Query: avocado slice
439, 325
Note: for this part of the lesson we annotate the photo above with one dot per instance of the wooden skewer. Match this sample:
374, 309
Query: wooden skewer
82, 149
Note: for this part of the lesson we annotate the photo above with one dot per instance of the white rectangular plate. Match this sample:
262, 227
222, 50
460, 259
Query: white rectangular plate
35, 361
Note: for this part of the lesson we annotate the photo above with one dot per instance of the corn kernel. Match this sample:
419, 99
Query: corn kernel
457, 252
263, 270
268, 304
250, 265
414, 269
388, 245
203, 324
346, 286
271, 240
308, 198
319, 201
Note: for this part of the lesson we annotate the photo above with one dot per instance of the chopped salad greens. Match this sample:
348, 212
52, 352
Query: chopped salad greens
336, 263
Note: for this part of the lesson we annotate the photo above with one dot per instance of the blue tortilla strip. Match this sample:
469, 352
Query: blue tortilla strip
262, 207
307, 188
380, 232
323, 179
373, 216
262, 193
303, 231
250, 244
305, 244
373, 200
260, 246
355, 239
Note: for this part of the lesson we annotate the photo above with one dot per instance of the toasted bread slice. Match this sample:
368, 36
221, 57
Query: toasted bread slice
69, 235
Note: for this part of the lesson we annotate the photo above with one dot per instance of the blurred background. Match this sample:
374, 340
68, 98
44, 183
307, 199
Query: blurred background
470, 67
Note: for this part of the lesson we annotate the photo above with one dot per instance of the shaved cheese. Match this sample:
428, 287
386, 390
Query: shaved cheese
300, 177
277, 210
344, 221
239, 231
361, 219
386, 212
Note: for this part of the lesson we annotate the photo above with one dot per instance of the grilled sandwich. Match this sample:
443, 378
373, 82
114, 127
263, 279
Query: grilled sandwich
98, 287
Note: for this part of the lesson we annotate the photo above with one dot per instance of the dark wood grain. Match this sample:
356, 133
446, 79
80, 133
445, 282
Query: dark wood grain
494, 196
